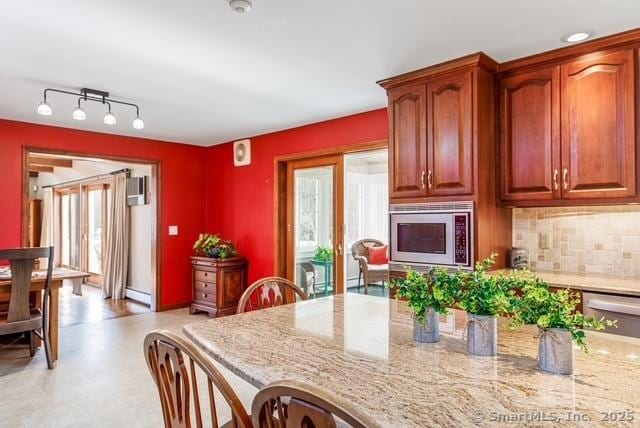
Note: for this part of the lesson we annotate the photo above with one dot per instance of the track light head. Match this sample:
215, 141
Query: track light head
45, 109
137, 123
79, 114
109, 118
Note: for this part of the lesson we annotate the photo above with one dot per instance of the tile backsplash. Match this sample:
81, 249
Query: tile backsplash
598, 240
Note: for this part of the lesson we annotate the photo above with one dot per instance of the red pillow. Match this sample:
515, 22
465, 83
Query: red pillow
378, 255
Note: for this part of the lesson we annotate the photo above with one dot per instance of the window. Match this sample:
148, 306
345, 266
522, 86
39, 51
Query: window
69, 228
308, 211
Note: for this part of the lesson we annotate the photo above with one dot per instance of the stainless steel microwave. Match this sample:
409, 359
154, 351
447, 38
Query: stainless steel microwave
432, 234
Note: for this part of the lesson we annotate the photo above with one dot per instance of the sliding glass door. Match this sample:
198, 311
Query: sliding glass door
315, 233
83, 227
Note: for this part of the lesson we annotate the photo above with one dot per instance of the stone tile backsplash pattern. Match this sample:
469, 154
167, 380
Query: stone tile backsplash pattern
596, 240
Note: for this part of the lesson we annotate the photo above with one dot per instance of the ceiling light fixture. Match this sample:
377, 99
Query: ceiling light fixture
44, 108
78, 113
240, 6
86, 94
576, 37
137, 123
109, 118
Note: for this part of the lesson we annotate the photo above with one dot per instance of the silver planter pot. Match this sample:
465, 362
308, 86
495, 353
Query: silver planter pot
555, 352
430, 332
482, 335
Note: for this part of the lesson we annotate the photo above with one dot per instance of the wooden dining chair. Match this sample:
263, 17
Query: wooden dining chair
172, 362
269, 292
306, 407
21, 316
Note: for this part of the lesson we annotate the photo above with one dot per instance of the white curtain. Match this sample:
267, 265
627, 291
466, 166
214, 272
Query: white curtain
117, 245
46, 236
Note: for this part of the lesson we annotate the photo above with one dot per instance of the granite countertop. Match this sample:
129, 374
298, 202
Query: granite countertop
592, 282
360, 348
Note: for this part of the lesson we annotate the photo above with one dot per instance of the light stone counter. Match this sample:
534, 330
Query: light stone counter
360, 348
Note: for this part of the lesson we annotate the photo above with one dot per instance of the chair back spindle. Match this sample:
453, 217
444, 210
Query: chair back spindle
269, 292
172, 362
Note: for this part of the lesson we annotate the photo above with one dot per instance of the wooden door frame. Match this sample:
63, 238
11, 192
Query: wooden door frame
155, 187
280, 195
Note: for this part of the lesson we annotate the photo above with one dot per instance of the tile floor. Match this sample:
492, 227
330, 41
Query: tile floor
100, 380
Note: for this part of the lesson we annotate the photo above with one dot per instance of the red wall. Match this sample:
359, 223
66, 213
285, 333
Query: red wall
239, 202
182, 177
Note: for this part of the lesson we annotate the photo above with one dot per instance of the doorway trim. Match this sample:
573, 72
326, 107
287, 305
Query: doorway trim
156, 204
280, 193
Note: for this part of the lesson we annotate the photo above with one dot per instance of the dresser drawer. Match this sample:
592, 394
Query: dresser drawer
205, 276
205, 287
204, 296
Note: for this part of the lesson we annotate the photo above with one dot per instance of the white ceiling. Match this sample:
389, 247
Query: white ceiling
203, 74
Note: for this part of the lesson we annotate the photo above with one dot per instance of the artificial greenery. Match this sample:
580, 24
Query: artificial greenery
481, 293
211, 245
323, 254
205, 243
423, 292
554, 309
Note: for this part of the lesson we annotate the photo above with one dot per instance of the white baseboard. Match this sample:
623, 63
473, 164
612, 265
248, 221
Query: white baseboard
138, 296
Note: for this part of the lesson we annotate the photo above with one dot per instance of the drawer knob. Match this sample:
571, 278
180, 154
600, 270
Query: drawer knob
205, 296
205, 274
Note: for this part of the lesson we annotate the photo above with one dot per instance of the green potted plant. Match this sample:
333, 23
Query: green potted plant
323, 254
211, 245
428, 297
559, 322
484, 297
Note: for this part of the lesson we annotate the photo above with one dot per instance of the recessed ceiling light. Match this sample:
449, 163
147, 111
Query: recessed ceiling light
576, 37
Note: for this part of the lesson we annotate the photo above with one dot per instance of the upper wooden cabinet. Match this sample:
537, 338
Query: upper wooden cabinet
440, 117
568, 131
598, 129
530, 136
408, 142
449, 135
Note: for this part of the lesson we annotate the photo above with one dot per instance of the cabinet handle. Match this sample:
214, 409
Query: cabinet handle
422, 180
556, 186
430, 179
565, 179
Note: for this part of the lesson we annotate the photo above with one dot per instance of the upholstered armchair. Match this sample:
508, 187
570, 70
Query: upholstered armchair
370, 273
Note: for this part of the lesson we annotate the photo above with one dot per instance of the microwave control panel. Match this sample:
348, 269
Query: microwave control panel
461, 239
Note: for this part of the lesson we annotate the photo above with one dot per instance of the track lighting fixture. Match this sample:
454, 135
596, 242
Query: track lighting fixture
85, 94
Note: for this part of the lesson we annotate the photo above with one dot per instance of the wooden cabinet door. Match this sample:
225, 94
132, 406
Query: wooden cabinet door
449, 131
407, 145
598, 129
530, 136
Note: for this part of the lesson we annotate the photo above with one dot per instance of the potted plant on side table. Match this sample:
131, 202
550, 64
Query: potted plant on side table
211, 245
428, 298
559, 323
485, 297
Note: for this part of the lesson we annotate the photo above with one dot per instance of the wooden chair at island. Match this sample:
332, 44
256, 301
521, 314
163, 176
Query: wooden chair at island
21, 316
368, 272
305, 406
268, 293
172, 362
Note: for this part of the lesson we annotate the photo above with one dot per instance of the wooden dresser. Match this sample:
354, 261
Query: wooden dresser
217, 284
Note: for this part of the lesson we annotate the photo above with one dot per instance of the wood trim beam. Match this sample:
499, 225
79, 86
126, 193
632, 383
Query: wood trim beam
39, 168
55, 162
33, 174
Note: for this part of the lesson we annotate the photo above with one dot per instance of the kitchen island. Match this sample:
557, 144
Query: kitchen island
360, 349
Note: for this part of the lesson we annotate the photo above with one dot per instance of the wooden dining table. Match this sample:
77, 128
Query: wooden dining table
360, 349
37, 288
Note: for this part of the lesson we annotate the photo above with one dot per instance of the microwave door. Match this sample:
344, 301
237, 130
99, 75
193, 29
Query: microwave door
420, 238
